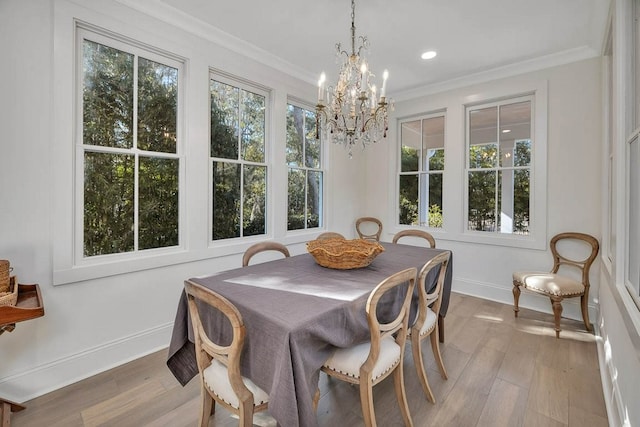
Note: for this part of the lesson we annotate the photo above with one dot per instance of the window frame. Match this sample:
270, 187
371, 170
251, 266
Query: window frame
321, 169
421, 171
537, 237
225, 78
497, 168
88, 32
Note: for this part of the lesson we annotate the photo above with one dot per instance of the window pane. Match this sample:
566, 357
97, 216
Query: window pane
158, 196
432, 143
108, 203
521, 186
312, 145
435, 159
295, 132
226, 200
482, 200
515, 125
408, 200
483, 131
431, 200
522, 154
255, 200
157, 106
411, 142
252, 125
314, 197
107, 96
224, 120
296, 202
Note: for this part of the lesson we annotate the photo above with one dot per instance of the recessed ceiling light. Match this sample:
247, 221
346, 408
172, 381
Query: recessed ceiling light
506, 130
429, 54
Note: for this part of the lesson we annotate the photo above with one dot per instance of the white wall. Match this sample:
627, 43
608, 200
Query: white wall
95, 324
573, 173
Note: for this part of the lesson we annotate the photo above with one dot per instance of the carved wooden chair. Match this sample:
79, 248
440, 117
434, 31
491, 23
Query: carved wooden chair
360, 228
330, 235
415, 233
367, 364
262, 247
558, 287
426, 325
219, 365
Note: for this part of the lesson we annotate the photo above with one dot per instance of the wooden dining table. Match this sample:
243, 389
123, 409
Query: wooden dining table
296, 313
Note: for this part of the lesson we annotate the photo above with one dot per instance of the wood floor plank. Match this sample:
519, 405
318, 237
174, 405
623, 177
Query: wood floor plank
464, 404
136, 397
549, 393
506, 405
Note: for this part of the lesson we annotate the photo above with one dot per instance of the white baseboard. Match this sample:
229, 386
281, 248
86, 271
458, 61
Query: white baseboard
570, 306
610, 390
60, 373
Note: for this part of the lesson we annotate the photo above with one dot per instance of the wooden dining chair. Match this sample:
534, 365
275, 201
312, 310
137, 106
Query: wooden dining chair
219, 365
558, 287
361, 224
426, 325
368, 363
262, 247
330, 235
415, 233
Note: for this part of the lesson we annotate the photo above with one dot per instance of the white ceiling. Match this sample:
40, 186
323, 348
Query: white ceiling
470, 36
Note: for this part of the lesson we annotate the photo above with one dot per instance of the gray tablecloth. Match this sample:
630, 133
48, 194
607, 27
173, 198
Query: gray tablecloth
296, 313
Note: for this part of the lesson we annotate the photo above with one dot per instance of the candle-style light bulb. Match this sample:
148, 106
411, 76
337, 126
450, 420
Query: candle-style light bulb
323, 77
363, 77
385, 76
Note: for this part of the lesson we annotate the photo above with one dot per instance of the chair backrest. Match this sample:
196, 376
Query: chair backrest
375, 236
406, 278
261, 247
415, 233
426, 297
330, 235
206, 348
585, 264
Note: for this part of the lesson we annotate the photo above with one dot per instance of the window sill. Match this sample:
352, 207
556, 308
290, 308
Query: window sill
80, 273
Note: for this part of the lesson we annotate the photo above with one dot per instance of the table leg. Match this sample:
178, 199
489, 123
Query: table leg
6, 407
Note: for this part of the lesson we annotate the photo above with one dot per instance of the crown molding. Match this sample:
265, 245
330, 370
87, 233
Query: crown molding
540, 63
177, 18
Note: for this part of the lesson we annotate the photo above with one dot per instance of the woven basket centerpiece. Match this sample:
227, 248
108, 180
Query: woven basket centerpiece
5, 271
344, 254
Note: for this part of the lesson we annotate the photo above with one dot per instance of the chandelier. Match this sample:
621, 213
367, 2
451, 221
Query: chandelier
350, 112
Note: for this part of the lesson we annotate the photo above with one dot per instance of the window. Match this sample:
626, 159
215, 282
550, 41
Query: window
421, 171
129, 157
305, 176
238, 163
499, 147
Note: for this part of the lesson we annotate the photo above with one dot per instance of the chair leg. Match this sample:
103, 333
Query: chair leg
441, 327
584, 304
516, 298
207, 407
416, 349
245, 414
435, 347
556, 303
398, 382
366, 402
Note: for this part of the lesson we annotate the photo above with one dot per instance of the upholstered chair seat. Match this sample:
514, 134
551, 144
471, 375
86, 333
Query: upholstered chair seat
216, 378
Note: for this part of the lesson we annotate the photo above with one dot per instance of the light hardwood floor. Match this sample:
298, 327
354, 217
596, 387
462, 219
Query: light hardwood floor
502, 372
